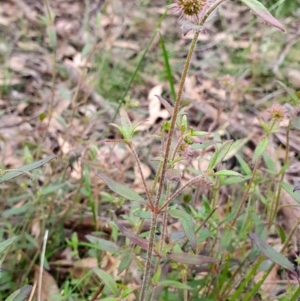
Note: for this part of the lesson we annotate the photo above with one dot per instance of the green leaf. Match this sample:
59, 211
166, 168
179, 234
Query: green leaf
157, 275
141, 213
289, 92
127, 292
52, 36
175, 284
244, 165
234, 180
226, 172
102, 244
21, 294
291, 191
126, 124
26, 168
167, 66
86, 50
4, 247
127, 257
260, 148
7, 243
187, 224
201, 145
51, 188
235, 147
219, 154
269, 163
120, 129
121, 190
107, 280
198, 133
271, 253
259, 10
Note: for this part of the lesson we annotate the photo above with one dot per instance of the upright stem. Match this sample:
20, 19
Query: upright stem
174, 117
155, 211
147, 269
286, 157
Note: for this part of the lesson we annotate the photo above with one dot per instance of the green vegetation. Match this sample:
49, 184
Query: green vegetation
99, 204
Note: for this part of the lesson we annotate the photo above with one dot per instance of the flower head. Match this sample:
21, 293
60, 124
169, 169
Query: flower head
277, 112
192, 10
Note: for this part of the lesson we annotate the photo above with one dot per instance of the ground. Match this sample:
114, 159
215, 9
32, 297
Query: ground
67, 67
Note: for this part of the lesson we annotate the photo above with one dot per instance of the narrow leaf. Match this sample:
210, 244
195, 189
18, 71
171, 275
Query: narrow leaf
244, 165
13, 174
235, 147
191, 259
259, 10
4, 248
269, 162
169, 107
143, 243
226, 172
103, 244
271, 253
21, 294
121, 190
219, 154
86, 50
126, 260
52, 36
188, 226
107, 280
167, 66
175, 284
260, 148
5, 244
289, 92
291, 191
126, 124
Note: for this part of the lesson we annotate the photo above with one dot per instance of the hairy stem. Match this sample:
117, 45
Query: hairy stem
287, 149
174, 117
147, 268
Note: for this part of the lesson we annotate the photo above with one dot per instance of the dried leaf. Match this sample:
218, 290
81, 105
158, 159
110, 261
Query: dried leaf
166, 104
191, 259
50, 290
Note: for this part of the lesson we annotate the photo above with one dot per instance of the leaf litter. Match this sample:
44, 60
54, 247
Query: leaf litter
82, 110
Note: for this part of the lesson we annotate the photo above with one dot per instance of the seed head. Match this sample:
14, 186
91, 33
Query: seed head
192, 10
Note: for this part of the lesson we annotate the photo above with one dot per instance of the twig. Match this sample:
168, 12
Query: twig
42, 266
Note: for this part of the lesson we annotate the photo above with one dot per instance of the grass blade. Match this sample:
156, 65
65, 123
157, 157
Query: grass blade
167, 67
